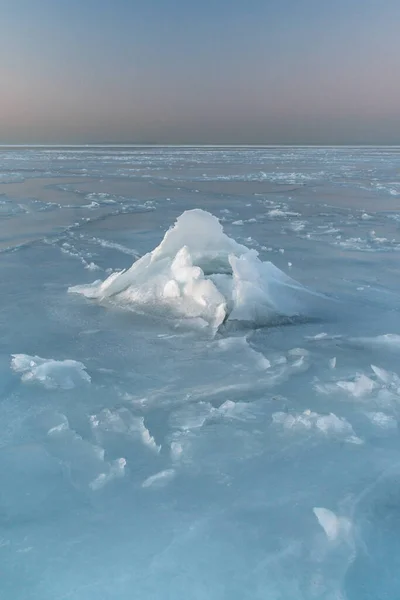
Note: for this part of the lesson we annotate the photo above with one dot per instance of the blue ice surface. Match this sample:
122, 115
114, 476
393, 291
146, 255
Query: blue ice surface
170, 462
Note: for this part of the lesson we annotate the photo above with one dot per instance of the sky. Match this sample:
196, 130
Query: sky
200, 71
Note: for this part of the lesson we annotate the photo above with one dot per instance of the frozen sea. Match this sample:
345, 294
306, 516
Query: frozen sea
209, 415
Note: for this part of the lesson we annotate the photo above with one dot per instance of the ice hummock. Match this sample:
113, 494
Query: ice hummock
198, 272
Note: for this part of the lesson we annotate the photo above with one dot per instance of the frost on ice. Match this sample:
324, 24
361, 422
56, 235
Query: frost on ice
64, 374
198, 272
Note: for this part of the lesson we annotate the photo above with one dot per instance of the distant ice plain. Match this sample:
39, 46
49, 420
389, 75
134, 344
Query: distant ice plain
144, 457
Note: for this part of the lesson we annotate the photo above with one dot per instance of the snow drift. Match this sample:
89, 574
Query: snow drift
198, 272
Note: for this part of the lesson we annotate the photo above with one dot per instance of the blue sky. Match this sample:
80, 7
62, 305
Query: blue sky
271, 71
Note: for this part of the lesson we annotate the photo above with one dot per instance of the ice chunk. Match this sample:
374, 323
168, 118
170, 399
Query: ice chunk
328, 521
383, 375
49, 421
278, 212
322, 336
318, 336
159, 479
235, 410
299, 358
238, 411
116, 470
192, 416
176, 451
198, 272
239, 347
387, 341
360, 387
86, 462
122, 421
92, 266
261, 292
312, 421
64, 374
382, 420
335, 527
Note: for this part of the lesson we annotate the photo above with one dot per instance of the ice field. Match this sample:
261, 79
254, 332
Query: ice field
199, 373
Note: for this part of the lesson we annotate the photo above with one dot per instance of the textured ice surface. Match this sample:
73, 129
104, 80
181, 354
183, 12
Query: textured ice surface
157, 455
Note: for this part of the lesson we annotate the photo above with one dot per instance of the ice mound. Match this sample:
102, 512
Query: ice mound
199, 273
52, 374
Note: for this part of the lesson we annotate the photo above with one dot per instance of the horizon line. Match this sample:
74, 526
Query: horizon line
194, 145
